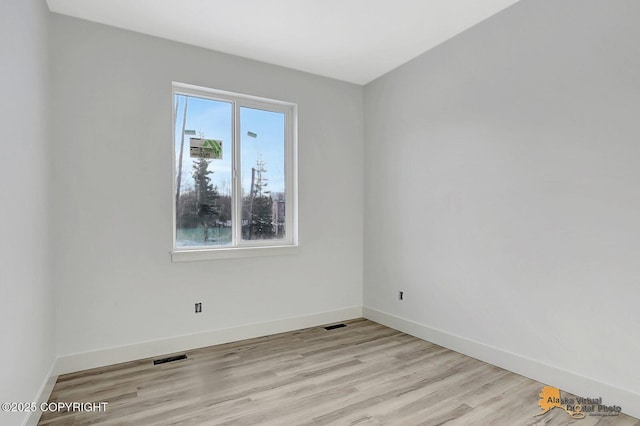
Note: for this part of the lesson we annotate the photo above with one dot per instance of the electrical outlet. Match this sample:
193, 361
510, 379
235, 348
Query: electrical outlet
198, 307
401, 295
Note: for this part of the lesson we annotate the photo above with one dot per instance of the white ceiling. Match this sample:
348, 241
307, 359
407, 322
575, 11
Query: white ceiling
351, 40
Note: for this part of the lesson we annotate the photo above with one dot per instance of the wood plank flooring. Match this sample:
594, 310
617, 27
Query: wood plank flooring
362, 374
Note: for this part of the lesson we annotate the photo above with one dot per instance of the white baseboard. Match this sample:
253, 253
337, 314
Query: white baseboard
553, 376
109, 356
43, 395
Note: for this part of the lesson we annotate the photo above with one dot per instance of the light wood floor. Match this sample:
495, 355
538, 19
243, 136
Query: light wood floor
362, 374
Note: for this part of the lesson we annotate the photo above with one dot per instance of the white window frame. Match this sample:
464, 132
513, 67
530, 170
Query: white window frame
240, 248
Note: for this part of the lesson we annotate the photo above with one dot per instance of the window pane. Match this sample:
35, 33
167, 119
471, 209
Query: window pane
203, 172
262, 155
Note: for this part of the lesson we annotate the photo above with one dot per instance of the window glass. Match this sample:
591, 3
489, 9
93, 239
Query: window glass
263, 174
203, 172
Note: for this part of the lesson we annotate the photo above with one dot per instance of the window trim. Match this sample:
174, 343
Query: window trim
240, 248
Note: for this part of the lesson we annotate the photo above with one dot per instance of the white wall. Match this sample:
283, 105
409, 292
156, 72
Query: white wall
112, 113
26, 290
501, 191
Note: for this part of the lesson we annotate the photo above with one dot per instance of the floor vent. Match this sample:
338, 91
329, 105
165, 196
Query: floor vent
333, 327
169, 359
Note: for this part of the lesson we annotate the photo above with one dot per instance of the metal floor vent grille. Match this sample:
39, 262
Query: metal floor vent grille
333, 327
169, 359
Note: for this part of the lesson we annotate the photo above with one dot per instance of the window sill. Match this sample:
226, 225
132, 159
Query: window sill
231, 253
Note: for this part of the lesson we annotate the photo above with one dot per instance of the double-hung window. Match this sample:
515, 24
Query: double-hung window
235, 172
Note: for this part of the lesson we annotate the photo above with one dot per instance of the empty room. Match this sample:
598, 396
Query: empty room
339, 212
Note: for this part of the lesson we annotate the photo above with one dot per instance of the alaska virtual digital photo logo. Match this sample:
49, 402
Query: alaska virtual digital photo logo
576, 407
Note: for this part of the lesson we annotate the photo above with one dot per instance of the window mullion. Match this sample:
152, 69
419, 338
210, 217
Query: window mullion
237, 178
